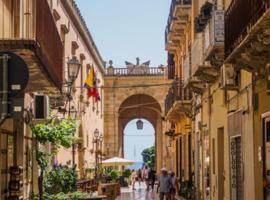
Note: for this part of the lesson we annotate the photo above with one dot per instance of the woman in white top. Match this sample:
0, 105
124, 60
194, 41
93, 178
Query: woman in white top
133, 179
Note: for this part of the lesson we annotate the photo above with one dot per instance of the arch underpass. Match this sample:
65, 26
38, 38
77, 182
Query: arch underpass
133, 96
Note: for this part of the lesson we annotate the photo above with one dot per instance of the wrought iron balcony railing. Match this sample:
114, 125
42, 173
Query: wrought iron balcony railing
177, 93
239, 18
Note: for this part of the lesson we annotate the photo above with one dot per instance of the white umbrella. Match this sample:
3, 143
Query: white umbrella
116, 161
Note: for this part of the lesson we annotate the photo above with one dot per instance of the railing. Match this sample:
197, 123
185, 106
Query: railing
239, 18
197, 58
136, 71
49, 40
177, 93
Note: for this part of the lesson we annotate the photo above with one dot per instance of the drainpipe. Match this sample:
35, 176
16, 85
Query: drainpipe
4, 101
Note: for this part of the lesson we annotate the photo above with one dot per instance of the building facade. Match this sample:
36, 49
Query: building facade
228, 75
37, 39
135, 92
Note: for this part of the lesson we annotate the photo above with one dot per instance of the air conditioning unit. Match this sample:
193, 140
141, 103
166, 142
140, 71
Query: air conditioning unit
228, 77
41, 107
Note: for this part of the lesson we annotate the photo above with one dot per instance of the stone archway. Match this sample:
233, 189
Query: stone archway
122, 94
140, 106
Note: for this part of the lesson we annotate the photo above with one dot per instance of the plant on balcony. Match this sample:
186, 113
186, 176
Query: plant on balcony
58, 134
201, 20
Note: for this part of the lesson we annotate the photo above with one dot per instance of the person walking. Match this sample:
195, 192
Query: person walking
133, 179
174, 185
145, 177
139, 176
152, 178
164, 185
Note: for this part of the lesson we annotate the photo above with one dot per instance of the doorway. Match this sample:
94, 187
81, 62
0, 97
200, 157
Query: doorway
6, 160
220, 138
266, 138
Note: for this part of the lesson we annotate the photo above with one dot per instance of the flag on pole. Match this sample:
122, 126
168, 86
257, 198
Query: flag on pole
91, 85
89, 82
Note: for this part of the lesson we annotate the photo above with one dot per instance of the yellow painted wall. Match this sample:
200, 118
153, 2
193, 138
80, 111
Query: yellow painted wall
263, 107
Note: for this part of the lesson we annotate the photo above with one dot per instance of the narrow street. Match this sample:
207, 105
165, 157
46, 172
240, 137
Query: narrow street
139, 194
97, 94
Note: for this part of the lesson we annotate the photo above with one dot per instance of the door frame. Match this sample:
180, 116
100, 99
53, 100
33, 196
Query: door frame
264, 116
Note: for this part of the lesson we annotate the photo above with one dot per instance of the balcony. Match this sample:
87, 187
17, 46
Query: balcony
214, 39
36, 39
178, 101
191, 83
247, 32
136, 71
180, 12
202, 70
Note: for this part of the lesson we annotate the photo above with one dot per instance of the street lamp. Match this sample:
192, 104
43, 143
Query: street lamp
96, 133
73, 69
98, 137
139, 124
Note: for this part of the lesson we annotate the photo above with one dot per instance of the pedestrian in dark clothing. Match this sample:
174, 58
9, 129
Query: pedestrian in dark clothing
152, 178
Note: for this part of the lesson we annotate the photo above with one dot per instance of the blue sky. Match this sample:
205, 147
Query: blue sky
126, 29
122, 31
137, 140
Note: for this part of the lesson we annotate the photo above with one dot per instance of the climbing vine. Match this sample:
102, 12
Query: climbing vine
58, 133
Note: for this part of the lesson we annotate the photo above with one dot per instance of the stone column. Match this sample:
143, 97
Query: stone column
159, 145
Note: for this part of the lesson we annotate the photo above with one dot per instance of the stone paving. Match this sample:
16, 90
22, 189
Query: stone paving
139, 194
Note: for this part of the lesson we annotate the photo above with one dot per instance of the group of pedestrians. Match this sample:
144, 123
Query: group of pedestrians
167, 185
145, 174
167, 182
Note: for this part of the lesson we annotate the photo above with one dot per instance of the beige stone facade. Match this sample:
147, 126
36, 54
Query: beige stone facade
130, 95
229, 79
45, 34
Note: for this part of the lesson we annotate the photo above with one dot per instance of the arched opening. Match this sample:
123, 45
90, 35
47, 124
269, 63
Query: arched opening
136, 140
140, 106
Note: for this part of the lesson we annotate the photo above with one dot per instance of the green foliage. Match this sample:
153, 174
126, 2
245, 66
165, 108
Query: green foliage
60, 179
114, 175
69, 196
149, 156
58, 134
127, 173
